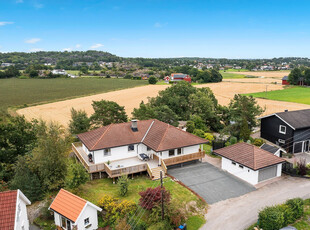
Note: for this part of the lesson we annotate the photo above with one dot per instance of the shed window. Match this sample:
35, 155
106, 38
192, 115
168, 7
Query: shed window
131, 147
240, 166
148, 148
86, 221
234, 163
171, 152
282, 129
107, 152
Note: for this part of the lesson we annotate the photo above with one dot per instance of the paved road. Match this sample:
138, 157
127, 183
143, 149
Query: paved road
210, 182
240, 212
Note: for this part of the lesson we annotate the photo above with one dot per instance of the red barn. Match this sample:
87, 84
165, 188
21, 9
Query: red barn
285, 80
180, 77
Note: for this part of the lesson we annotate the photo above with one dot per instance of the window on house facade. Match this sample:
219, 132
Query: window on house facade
63, 222
86, 221
171, 152
148, 148
179, 151
282, 129
131, 147
240, 166
107, 152
234, 163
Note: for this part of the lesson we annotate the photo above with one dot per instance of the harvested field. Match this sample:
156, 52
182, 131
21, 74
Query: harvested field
131, 98
267, 74
256, 80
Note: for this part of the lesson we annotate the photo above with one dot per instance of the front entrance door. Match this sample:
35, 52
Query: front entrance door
68, 225
307, 146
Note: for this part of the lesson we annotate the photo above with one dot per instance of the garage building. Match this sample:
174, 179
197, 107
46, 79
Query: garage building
250, 163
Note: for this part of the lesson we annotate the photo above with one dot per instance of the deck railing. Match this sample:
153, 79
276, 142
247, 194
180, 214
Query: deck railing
163, 165
149, 171
125, 171
184, 158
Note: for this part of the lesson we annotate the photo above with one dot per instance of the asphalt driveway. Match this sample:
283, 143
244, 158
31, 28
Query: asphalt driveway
211, 183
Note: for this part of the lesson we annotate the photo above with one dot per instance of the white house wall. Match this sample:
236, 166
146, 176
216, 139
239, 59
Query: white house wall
57, 219
91, 213
185, 150
279, 170
244, 173
116, 154
21, 217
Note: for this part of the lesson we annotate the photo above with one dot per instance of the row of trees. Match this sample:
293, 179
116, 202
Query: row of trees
10, 72
34, 158
299, 75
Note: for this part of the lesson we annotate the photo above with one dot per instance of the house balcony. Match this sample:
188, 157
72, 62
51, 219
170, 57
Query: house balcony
184, 158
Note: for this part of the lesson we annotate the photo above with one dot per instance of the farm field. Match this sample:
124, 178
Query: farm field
19, 92
227, 75
131, 98
294, 94
255, 80
266, 74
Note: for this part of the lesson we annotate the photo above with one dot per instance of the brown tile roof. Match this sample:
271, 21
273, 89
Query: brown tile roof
158, 135
249, 155
7, 209
68, 205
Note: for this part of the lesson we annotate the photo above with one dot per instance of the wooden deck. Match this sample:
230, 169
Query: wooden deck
184, 158
131, 165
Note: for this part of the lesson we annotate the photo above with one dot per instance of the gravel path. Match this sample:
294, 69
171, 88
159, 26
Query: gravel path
239, 213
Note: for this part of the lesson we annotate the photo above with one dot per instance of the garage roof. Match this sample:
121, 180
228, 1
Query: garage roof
249, 155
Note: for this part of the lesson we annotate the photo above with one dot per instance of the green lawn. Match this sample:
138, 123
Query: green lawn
294, 94
95, 189
22, 92
304, 222
231, 75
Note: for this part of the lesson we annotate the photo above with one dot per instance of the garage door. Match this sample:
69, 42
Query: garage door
267, 173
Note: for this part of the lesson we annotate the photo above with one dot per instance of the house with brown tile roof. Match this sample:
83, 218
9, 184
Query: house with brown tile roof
136, 146
13, 211
71, 211
250, 163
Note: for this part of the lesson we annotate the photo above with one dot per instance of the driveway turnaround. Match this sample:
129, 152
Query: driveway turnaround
211, 183
241, 212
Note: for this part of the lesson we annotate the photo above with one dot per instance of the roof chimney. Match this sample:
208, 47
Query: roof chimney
134, 125
286, 110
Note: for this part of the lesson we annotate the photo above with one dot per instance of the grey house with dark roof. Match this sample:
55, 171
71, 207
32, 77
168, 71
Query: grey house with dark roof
289, 130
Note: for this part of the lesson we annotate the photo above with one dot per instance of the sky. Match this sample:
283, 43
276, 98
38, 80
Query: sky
159, 28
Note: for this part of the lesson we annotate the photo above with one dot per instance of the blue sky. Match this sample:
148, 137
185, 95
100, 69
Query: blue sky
159, 28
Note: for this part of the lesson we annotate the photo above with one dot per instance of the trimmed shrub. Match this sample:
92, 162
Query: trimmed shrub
297, 206
258, 142
152, 80
271, 218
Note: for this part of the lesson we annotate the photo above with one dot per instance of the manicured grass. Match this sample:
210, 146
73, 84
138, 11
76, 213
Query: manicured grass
304, 222
294, 94
231, 75
95, 189
195, 222
22, 92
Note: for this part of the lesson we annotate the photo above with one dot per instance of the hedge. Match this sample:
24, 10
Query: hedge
279, 216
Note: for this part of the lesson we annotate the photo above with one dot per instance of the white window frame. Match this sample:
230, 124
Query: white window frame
233, 163
107, 152
280, 127
86, 221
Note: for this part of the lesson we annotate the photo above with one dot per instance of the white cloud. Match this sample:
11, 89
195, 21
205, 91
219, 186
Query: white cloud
78, 45
35, 50
67, 49
157, 25
5, 23
33, 40
96, 46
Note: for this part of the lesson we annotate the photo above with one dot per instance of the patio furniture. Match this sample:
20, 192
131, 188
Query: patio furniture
144, 157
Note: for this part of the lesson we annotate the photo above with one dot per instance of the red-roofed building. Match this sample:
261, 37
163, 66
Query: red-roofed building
13, 211
250, 163
136, 146
71, 211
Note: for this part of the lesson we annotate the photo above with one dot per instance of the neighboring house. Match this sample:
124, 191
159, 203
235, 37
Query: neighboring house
285, 80
290, 130
175, 77
13, 210
59, 71
72, 212
136, 146
250, 163
7, 64
273, 149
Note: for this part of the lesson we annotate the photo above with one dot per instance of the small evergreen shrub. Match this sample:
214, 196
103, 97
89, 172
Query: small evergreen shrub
297, 206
